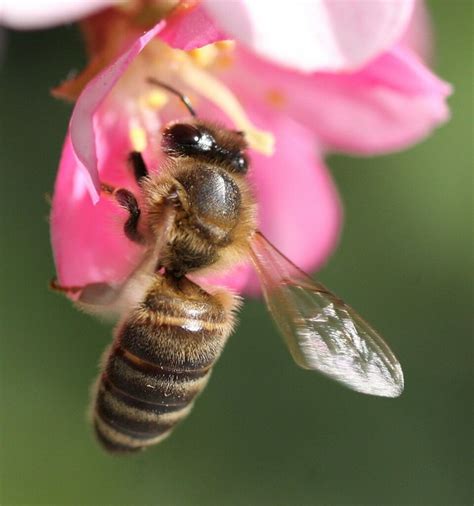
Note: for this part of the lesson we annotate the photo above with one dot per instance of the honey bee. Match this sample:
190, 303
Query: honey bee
197, 214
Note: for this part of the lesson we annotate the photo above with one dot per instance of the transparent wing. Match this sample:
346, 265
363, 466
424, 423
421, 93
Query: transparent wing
322, 332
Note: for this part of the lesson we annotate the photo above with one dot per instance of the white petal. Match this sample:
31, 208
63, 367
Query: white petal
326, 35
31, 14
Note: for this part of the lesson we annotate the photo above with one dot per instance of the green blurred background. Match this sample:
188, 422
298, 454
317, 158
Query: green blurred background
264, 432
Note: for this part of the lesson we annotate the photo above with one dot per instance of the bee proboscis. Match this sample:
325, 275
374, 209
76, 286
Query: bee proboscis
196, 215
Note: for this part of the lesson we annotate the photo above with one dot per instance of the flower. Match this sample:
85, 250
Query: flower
319, 77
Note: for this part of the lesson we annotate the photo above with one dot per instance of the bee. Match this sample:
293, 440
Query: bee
198, 214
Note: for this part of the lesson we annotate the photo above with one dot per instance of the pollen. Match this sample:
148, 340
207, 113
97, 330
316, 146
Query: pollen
204, 56
155, 99
219, 53
276, 98
225, 45
138, 138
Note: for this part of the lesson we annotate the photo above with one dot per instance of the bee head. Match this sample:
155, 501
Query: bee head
201, 140
207, 143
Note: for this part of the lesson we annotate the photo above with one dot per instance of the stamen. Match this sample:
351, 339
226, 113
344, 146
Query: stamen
215, 91
138, 138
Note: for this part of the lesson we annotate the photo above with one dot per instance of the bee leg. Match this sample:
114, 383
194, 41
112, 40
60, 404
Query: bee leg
139, 167
127, 200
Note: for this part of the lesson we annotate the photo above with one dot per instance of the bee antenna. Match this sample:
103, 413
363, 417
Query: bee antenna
183, 98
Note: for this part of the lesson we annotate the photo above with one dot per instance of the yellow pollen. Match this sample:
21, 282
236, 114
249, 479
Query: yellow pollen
276, 98
204, 56
225, 45
219, 53
138, 138
156, 99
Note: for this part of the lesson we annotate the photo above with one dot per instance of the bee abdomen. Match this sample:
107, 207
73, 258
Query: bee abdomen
138, 404
153, 373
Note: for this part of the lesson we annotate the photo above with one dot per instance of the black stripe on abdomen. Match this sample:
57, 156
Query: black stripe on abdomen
150, 383
138, 404
141, 421
187, 345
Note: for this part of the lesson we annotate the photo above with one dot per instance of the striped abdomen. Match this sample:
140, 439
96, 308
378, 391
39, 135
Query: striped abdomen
160, 360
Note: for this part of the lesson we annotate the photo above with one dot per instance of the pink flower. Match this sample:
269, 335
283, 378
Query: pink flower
318, 77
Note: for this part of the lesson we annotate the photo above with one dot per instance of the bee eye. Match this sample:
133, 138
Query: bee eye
183, 133
186, 139
240, 164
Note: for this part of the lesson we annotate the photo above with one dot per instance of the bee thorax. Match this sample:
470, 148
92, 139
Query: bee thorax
214, 197
209, 211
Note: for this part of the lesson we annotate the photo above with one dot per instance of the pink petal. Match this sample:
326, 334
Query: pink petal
330, 35
190, 30
31, 14
81, 126
392, 102
88, 241
403, 71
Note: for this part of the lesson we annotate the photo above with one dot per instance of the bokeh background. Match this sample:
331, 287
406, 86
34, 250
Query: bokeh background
264, 432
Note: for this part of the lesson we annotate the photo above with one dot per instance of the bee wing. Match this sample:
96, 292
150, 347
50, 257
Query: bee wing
322, 332
99, 294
